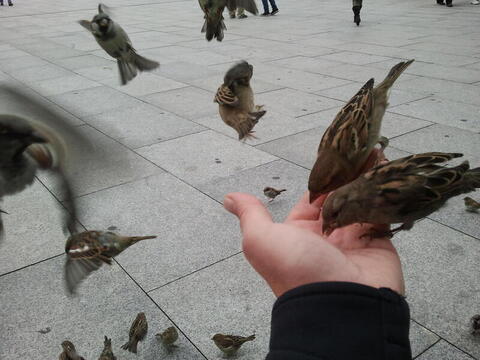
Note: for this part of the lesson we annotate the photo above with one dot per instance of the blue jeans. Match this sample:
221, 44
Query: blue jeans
265, 5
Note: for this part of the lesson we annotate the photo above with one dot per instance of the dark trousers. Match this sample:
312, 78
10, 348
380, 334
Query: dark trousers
265, 5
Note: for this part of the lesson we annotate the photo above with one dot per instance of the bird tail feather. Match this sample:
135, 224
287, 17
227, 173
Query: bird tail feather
394, 73
250, 338
131, 345
144, 64
126, 70
474, 175
135, 239
214, 30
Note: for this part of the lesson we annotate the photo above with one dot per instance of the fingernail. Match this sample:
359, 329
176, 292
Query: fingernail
229, 204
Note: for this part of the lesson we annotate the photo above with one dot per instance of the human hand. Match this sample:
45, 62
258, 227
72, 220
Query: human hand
295, 252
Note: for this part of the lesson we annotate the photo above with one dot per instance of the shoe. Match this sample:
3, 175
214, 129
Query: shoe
274, 12
243, 16
1, 3
232, 16
449, 3
475, 2
265, 13
10, 3
440, 2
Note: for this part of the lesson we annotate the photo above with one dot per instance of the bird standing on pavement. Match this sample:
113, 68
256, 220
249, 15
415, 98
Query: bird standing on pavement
471, 205
137, 333
229, 344
350, 139
236, 101
87, 251
399, 192
272, 193
69, 352
168, 337
475, 325
115, 41
107, 353
213, 15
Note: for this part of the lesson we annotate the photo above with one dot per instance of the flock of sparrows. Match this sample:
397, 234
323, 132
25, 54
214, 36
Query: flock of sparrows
228, 344
401, 191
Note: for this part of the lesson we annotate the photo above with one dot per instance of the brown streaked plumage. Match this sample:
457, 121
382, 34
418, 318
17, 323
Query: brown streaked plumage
229, 344
168, 337
272, 193
471, 205
107, 353
350, 139
399, 192
475, 325
236, 101
87, 251
69, 352
137, 333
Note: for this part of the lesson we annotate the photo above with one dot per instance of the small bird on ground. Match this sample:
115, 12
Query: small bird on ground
236, 102
400, 191
137, 333
357, 6
350, 139
107, 353
471, 205
40, 143
272, 193
115, 41
213, 15
229, 344
168, 337
69, 352
87, 251
475, 325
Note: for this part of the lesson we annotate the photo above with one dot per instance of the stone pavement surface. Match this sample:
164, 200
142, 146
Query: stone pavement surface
182, 160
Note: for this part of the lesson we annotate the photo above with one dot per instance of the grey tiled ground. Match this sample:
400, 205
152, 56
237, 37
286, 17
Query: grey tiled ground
171, 161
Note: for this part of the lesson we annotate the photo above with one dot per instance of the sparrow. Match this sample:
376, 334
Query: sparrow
107, 353
137, 333
169, 336
475, 325
272, 193
229, 344
213, 15
41, 143
89, 250
471, 205
353, 134
69, 352
115, 41
399, 191
236, 102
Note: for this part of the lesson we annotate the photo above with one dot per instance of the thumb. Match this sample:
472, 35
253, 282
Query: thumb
254, 217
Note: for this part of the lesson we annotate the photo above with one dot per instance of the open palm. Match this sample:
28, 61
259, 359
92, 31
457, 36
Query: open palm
295, 252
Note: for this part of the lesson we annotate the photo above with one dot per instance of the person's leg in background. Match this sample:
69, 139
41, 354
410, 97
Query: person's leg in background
274, 7
266, 10
357, 6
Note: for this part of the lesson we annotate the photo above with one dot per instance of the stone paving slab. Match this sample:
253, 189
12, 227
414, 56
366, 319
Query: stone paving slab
173, 160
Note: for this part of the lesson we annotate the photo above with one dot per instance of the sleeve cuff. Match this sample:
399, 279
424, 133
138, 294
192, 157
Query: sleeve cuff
340, 320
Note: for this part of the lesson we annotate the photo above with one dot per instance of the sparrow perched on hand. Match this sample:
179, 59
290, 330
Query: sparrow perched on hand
87, 251
69, 352
115, 41
169, 336
236, 102
471, 205
213, 10
137, 333
272, 193
350, 139
475, 325
229, 344
30, 145
400, 191
107, 353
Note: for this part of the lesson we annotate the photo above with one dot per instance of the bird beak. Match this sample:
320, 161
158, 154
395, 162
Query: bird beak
314, 196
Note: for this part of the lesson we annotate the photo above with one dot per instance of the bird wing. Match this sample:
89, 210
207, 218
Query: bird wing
348, 133
248, 5
225, 96
76, 270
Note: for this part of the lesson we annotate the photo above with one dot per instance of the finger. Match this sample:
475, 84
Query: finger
254, 217
306, 211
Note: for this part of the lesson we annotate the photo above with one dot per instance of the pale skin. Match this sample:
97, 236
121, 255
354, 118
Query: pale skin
295, 252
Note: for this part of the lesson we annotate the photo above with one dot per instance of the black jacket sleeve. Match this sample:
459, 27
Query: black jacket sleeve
340, 321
